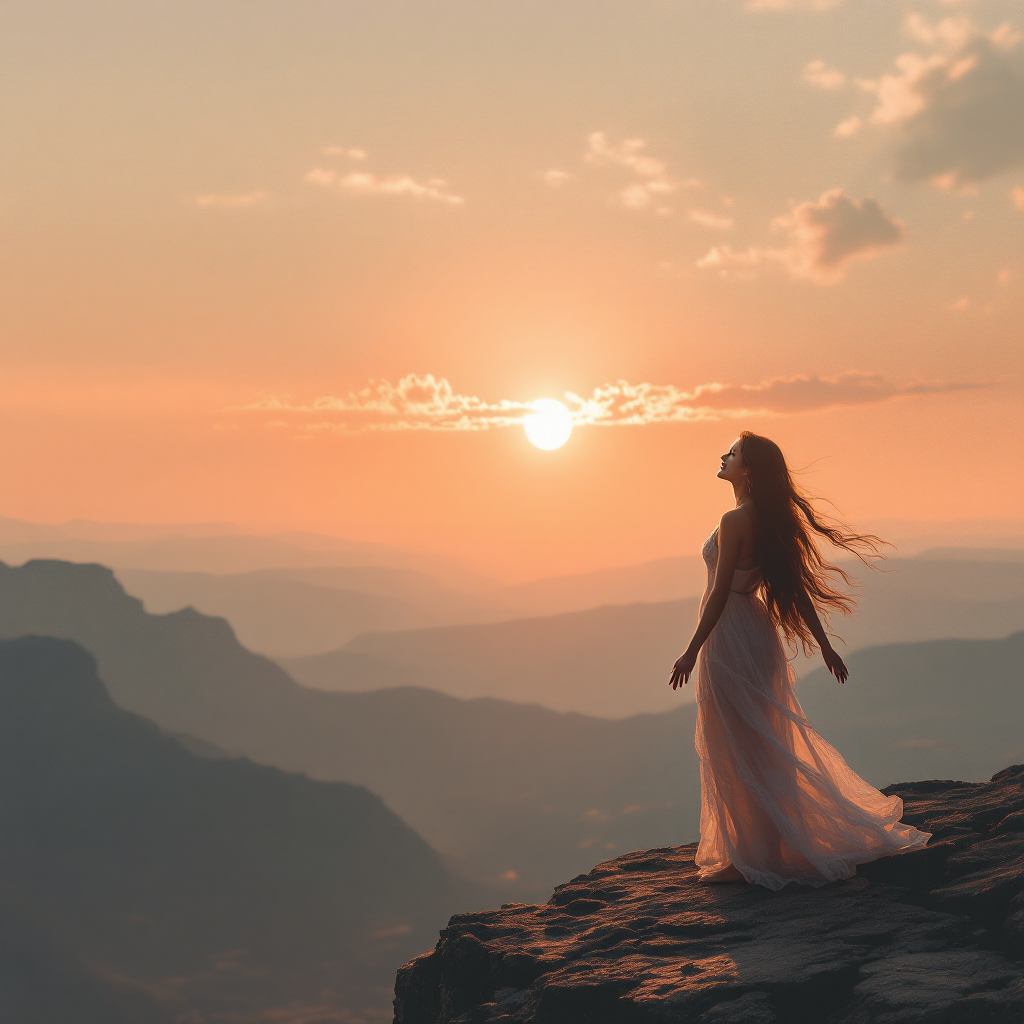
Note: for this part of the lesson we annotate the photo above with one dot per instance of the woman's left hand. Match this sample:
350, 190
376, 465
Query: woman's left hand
835, 665
682, 669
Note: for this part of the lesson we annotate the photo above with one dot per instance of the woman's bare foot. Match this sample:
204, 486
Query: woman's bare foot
726, 874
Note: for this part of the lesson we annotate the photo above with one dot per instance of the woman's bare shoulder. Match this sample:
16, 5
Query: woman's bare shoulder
740, 521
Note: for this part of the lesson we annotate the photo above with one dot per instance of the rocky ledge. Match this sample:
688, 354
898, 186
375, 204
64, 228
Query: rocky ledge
936, 935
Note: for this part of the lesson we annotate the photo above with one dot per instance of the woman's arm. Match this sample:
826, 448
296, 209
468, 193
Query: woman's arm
835, 664
729, 537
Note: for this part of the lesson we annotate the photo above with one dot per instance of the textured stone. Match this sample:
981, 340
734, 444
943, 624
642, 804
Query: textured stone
932, 936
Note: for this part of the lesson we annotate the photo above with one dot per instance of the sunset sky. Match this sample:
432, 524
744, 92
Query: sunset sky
302, 265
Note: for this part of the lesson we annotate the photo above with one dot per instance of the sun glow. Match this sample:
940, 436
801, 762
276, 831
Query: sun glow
549, 425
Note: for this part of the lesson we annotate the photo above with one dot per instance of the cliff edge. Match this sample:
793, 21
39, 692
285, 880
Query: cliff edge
932, 936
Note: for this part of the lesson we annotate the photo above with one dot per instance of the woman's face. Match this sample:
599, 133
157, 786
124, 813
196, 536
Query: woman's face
732, 464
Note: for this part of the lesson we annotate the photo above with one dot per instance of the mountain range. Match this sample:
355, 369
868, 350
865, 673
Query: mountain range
514, 794
311, 612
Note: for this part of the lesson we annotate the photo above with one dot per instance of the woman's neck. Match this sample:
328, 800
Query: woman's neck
741, 492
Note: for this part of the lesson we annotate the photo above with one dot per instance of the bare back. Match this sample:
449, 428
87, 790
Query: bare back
745, 523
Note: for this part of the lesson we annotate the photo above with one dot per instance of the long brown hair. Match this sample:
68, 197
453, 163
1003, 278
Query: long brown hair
792, 567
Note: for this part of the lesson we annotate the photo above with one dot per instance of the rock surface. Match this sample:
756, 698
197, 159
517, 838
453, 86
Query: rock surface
936, 935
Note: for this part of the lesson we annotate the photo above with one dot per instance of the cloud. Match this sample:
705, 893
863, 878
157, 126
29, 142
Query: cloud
818, 74
400, 185
848, 128
628, 153
956, 112
1017, 196
654, 184
555, 178
738, 263
664, 403
711, 220
824, 238
828, 235
953, 31
232, 202
430, 403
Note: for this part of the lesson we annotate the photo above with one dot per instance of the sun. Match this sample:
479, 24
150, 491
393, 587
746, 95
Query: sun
549, 425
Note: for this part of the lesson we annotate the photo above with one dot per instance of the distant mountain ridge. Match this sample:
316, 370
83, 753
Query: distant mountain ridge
291, 612
283, 616
292, 595
614, 661
219, 888
949, 708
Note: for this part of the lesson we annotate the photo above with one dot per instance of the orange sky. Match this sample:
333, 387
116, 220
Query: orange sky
208, 206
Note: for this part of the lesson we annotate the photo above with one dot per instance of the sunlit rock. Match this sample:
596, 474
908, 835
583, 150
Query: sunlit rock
935, 935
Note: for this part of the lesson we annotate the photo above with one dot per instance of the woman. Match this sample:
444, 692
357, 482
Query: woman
778, 803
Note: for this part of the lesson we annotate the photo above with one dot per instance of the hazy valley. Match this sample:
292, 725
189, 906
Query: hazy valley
141, 883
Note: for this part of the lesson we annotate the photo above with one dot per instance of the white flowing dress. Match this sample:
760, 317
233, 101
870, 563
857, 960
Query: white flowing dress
777, 801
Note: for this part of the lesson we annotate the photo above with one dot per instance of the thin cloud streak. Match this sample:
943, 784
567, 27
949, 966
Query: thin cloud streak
418, 403
366, 183
400, 185
654, 182
414, 403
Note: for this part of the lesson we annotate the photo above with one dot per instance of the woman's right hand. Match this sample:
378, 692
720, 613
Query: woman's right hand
835, 664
